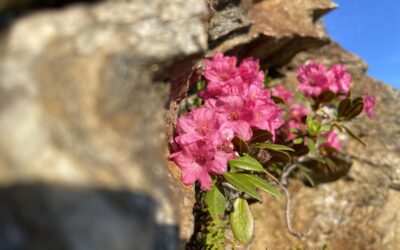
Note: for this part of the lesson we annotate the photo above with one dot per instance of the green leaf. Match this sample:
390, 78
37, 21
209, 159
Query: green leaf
325, 128
267, 81
279, 156
200, 85
344, 105
313, 126
198, 102
277, 100
355, 110
330, 163
313, 129
246, 162
326, 96
305, 171
294, 130
242, 222
349, 109
261, 184
301, 149
275, 147
240, 145
260, 136
242, 184
216, 202
321, 139
338, 126
304, 168
354, 136
271, 175
311, 145
309, 119
298, 140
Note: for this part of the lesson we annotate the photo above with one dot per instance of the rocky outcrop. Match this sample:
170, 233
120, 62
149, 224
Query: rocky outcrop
359, 210
85, 90
82, 145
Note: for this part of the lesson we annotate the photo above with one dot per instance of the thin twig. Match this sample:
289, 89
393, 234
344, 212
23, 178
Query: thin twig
283, 185
286, 172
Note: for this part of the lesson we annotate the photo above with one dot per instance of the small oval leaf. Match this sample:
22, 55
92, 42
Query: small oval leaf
355, 110
277, 100
242, 184
261, 136
275, 147
261, 184
246, 162
242, 221
216, 202
326, 96
344, 105
240, 145
279, 156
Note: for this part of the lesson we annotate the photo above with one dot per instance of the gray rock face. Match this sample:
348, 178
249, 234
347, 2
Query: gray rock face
82, 143
41, 217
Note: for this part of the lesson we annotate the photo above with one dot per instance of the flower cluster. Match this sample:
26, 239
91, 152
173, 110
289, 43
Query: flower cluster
235, 103
315, 78
369, 103
241, 136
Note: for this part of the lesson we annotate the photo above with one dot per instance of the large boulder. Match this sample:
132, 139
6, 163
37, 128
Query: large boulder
82, 144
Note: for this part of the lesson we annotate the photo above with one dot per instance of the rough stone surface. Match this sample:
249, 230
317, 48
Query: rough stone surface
359, 210
226, 21
82, 147
280, 29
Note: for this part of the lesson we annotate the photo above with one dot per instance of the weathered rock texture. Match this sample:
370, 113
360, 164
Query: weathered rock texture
82, 147
360, 210
84, 90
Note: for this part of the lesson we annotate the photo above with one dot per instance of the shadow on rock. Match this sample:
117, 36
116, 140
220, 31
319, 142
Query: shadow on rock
41, 217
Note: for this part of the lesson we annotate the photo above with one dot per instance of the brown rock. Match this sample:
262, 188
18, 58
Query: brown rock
280, 29
357, 211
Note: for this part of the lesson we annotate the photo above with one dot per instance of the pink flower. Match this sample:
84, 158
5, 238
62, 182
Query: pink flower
220, 71
266, 116
255, 93
369, 103
332, 141
197, 125
250, 73
224, 78
282, 92
220, 68
193, 161
313, 79
198, 160
298, 111
237, 115
341, 79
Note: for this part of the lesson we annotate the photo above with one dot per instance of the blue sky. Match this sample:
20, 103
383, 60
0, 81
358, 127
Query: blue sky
370, 29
